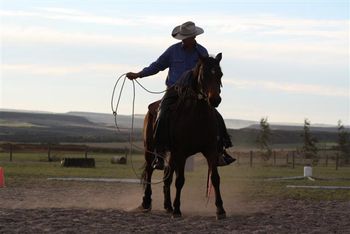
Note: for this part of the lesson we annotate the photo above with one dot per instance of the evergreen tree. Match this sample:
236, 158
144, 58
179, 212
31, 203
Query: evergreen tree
309, 148
264, 138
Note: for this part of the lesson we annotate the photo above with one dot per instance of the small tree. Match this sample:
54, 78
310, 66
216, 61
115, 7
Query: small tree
264, 139
309, 148
343, 143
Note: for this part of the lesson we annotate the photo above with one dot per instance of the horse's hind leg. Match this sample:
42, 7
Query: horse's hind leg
147, 179
168, 178
179, 182
149, 157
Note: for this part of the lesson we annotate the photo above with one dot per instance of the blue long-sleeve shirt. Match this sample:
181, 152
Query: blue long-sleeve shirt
177, 59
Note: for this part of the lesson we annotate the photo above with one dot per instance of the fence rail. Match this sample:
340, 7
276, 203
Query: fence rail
290, 158
51, 150
287, 158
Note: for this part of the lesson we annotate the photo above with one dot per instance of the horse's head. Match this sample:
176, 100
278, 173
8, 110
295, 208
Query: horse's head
209, 79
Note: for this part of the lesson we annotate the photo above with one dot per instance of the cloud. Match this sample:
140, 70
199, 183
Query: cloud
297, 88
280, 26
12, 34
261, 24
41, 69
262, 36
68, 15
307, 52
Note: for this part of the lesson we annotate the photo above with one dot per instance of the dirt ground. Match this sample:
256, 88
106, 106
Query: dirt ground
90, 207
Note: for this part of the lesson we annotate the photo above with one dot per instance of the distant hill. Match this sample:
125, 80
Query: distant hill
56, 128
45, 127
125, 121
44, 119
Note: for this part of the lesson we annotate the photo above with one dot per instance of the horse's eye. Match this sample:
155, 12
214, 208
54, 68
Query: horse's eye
213, 71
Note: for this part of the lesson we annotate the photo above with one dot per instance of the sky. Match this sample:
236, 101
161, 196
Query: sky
284, 60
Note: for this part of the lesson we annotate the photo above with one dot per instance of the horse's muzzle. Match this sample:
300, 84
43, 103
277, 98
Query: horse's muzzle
215, 101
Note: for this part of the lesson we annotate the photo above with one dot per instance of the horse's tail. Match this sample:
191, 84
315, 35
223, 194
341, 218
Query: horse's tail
208, 184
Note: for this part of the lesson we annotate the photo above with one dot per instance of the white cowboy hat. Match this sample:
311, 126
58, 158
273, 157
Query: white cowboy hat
186, 30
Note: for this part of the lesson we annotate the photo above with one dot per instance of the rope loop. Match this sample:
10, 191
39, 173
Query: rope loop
115, 114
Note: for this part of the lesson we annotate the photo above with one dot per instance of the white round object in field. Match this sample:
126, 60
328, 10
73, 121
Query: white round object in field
307, 171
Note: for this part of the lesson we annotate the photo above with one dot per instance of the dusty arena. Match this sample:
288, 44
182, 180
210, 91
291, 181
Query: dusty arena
90, 207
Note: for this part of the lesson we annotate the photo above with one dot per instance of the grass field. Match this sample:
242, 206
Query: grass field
252, 182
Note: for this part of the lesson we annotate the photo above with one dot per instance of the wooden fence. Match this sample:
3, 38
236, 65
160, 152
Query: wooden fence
290, 158
52, 150
287, 158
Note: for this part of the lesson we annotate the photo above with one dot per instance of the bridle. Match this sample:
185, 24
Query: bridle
212, 76
202, 83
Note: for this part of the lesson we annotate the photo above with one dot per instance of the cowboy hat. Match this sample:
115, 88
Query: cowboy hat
186, 30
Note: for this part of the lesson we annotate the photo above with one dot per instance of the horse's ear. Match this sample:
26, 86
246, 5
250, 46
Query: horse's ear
218, 57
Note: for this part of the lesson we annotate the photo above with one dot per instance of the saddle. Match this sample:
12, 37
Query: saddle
153, 108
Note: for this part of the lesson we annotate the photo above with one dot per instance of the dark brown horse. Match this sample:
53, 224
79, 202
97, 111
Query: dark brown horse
193, 128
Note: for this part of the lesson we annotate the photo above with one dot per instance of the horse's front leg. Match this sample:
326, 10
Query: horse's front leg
168, 178
215, 178
179, 182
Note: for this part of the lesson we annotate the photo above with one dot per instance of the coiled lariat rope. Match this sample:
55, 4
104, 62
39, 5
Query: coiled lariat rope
131, 139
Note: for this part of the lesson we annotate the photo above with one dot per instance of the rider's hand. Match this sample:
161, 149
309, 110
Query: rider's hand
132, 75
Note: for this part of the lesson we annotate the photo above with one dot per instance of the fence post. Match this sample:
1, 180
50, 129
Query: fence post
326, 160
11, 148
251, 159
293, 158
49, 153
127, 152
86, 151
274, 158
287, 158
337, 162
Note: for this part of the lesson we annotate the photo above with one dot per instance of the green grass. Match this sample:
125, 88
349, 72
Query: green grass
260, 188
251, 181
27, 166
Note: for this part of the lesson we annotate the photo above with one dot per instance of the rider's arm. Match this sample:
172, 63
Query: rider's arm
160, 64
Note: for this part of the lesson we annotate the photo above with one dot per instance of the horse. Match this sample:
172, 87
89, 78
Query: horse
193, 127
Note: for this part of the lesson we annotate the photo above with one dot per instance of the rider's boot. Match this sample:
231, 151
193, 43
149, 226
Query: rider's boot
224, 142
160, 140
225, 159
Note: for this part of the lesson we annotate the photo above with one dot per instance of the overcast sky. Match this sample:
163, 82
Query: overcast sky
285, 60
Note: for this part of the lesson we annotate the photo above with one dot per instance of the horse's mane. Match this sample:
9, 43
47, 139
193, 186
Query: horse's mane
187, 84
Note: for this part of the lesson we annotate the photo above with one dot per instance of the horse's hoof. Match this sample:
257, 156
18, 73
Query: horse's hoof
144, 210
221, 216
176, 215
